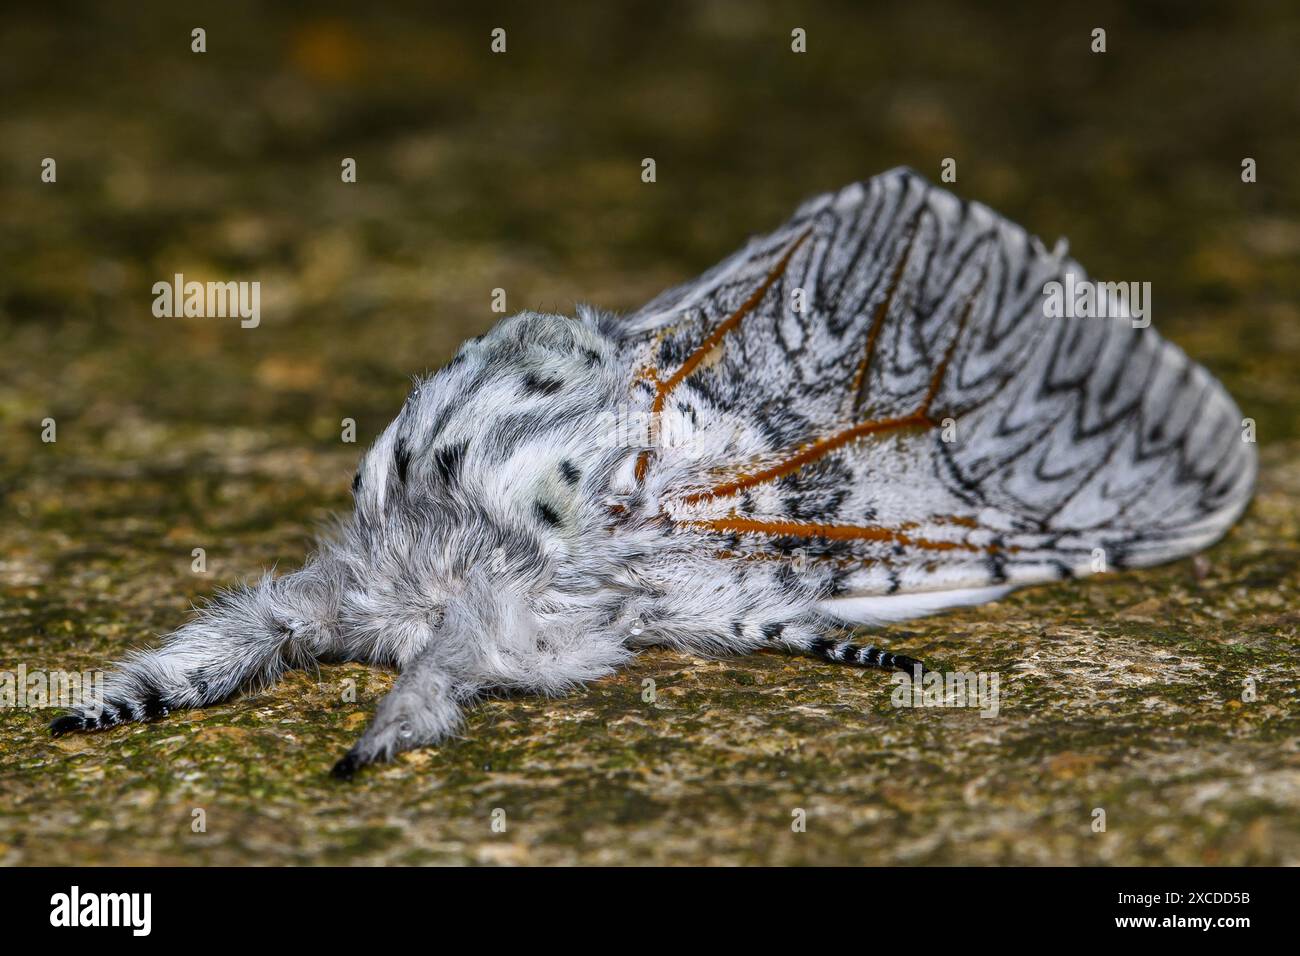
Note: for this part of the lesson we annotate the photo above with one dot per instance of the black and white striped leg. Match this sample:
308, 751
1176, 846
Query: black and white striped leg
77, 721
133, 696
246, 638
863, 655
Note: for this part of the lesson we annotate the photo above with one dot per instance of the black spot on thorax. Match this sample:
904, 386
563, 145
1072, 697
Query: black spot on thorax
447, 461
541, 386
402, 458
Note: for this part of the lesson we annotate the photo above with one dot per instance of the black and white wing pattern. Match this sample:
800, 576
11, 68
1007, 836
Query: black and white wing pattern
877, 385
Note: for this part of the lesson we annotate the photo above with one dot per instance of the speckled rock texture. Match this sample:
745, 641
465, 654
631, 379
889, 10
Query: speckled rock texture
1167, 698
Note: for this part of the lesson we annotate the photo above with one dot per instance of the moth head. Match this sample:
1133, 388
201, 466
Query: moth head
434, 570
491, 601
476, 501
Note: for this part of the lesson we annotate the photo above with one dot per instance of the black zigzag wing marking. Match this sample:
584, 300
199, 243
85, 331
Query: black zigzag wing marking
922, 386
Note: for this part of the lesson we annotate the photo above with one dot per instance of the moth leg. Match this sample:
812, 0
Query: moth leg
814, 640
423, 707
245, 638
863, 655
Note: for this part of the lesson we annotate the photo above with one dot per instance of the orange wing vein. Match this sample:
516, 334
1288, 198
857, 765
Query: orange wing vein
815, 451
837, 532
665, 388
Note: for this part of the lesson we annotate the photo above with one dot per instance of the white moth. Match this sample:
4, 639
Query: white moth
862, 417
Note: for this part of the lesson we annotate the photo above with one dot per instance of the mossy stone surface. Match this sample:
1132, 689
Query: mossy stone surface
1122, 693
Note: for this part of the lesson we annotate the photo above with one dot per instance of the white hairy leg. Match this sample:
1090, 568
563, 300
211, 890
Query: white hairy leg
424, 706
244, 639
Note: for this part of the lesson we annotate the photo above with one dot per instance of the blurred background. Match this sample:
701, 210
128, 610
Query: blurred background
522, 171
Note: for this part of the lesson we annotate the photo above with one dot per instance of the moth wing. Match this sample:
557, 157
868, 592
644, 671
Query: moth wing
879, 387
